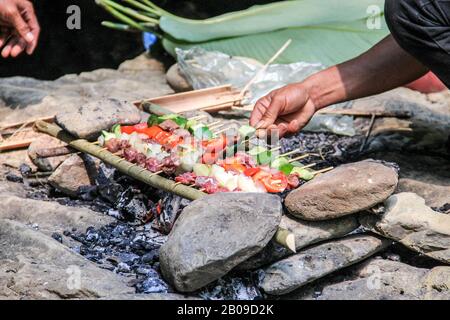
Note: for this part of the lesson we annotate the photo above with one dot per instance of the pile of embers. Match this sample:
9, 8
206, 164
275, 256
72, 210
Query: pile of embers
130, 246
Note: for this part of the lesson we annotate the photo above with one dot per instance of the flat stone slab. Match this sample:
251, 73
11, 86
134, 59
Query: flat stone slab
391, 280
45, 141
306, 233
311, 264
215, 234
409, 221
348, 189
34, 266
50, 217
75, 172
88, 120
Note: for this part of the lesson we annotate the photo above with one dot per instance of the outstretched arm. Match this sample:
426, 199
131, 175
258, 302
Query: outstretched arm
384, 67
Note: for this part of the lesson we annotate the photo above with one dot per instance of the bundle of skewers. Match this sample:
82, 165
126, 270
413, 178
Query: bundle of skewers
201, 155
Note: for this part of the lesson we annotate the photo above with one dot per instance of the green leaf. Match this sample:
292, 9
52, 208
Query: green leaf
327, 44
267, 18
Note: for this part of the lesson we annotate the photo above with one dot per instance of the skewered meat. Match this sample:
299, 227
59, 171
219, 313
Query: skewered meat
170, 164
115, 145
130, 154
186, 178
293, 181
182, 133
169, 125
152, 164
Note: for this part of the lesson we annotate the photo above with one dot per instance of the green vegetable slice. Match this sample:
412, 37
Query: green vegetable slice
246, 131
202, 169
304, 174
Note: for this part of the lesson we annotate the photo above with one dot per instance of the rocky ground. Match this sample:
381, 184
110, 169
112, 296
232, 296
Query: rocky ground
370, 229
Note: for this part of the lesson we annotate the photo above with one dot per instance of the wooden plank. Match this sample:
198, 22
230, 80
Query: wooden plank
217, 98
13, 145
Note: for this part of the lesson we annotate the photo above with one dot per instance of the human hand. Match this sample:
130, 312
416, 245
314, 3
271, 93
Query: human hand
19, 28
287, 110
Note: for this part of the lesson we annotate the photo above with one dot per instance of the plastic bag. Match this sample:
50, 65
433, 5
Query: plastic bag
204, 69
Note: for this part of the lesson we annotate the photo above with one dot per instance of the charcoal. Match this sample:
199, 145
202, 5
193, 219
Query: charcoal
123, 267
152, 284
13, 177
110, 192
105, 174
57, 237
150, 257
88, 193
25, 170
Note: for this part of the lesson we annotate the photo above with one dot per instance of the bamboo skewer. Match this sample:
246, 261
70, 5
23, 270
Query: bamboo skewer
286, 239
300, 157
263, 69
323, 170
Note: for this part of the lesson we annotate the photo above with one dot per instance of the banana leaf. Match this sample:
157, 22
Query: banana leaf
327, 44
325, 31
269, 17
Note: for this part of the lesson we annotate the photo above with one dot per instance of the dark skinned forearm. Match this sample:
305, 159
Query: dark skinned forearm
384, 67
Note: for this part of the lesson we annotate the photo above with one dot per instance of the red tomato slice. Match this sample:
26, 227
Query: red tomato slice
216, 145
210, 158
152, 132
259, 176
275, 183
140, 126
127, 129
237, 167
162, 137
250, 172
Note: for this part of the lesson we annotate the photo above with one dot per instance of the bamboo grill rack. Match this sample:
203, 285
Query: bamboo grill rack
283, 237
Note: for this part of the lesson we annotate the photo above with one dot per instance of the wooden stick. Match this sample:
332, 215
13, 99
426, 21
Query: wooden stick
369, 131
54, 152
357, 113
221, 131
300, 157
263, 69
18, 124
198, 117
275, 149
308, 166
212, 124
323, 170
289, 153
15, 145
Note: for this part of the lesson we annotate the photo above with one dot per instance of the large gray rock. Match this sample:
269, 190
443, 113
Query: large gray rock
22, 99
89, 119
424, 174
380, 279
50, 217
294, 272
348, 189
306, 233
428, 122
216, 233
176, 79
75, 172
409, 221
34, 266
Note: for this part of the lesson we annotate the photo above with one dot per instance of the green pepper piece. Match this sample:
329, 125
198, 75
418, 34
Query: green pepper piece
286, 168
264, 157
153, 120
